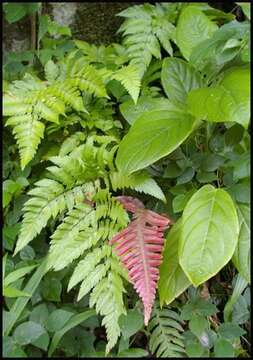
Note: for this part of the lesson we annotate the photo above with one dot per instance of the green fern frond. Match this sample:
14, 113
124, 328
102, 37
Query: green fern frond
28, 132
145, 27
166, 338
98, 269
130, 78
139, 181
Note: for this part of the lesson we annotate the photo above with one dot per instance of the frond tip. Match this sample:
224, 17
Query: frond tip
139, 247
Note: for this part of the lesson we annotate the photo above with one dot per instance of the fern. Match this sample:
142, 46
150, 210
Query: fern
82, 234
139, 247
166, 338
129, 77
31, 100
139, 181
145, 27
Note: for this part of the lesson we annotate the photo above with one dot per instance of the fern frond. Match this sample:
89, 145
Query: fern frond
28, 132
82, 236
130, 78
166, 338
75, 235
139, 181
139, 246
145, 26
50, 198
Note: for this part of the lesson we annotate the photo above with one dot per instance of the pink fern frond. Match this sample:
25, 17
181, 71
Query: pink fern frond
140, 246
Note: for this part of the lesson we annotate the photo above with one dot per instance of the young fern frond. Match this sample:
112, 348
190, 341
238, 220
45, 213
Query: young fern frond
139, 247
165, 329
145, 27
129, 77
29, 101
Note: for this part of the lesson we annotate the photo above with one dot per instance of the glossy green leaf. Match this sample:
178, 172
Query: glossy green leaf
173, 280
241, 257
72, 322
209, 233
178, 78
132, 111
152, 136
230, 101
193, 27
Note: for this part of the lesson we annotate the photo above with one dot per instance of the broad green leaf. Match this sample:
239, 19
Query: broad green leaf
178, 78
57, 319
241, 257
230, 101
173, 280
39, 314
17, 274
179, 202
223, 348
28, 332
198, 306
209, 234
131, 323
42, 341
15, 11
193, 27
132, 111
74, 321
51, 289
198, 324
194, 349
154, 135
230, 331
12, 292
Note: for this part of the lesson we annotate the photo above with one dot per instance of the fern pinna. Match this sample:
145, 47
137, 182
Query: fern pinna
139, 247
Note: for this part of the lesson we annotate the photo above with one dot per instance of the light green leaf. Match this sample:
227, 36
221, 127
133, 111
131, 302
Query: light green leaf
28, 332
241, 257
152, 136
173, 280
17, 274
132, 111
74, 321
51, 71
178, 78
193, 27
209, 234
230, 101
129, 77
12, 292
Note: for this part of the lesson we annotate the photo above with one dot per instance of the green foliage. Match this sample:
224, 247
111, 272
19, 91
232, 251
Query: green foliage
162, 117
166, 337
209, 233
